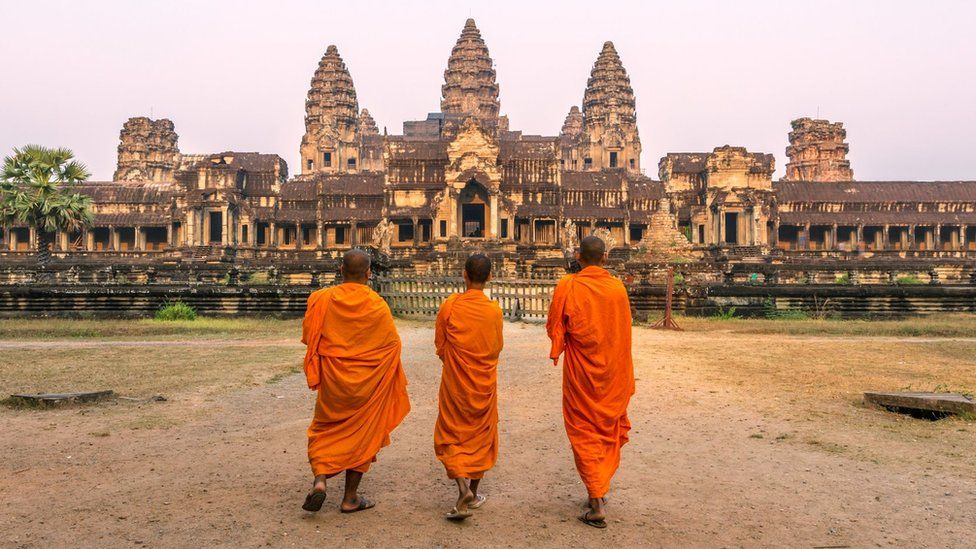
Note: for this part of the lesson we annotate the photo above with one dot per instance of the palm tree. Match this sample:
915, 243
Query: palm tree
37, 189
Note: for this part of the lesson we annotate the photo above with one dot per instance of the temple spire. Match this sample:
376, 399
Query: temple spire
469, 82
609, 138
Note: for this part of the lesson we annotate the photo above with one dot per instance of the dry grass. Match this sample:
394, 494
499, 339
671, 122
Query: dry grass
950, 325
250, 328
144, 370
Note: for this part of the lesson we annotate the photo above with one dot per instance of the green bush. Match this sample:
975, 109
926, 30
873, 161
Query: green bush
176, 310
843, 279
725, 313
908, 280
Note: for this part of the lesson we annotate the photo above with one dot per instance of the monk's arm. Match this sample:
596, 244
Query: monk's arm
440, 330
556, 322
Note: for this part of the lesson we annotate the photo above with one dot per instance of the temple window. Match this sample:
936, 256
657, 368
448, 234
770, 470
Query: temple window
443, 228
636, 233
244, 234
340, 235
404, 232
327, 159
701, 234
587, 162
613, 159
632, 164
351, 163
504, 228
310, 164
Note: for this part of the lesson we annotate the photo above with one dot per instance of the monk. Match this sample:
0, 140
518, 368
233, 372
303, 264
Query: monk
353, 361
589, 324
468, 338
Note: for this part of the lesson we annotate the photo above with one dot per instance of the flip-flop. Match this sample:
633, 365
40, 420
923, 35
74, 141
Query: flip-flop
479, 500
585, 519
314, 501
363, 505
457, 515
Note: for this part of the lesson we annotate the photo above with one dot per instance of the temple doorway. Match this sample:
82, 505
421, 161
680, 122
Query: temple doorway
473, 212
216, 227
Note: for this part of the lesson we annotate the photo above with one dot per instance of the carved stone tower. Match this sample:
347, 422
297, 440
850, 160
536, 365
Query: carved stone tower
148, 150
469, 88
818, 152
569, 137
331, 141
609, 138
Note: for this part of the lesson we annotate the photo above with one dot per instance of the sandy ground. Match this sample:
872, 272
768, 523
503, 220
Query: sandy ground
713, 462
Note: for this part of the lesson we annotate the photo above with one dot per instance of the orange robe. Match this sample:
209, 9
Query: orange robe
468, 337
353, 360
589, 322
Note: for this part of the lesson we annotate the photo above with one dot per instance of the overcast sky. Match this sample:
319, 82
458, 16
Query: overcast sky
233, 75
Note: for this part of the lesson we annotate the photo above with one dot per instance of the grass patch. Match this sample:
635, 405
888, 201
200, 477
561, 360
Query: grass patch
960, 325
176, 310
282, 375
202, 327
908, 280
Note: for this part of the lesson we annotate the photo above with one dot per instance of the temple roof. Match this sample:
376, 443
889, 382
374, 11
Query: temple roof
876, 191
127, 192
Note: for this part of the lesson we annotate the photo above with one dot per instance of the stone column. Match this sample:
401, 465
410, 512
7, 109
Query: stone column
320, 234
937, 237
6, 237
273, 237
298, 235
962, 237
137, 238
493, 217
532, 231
833, 237
225, 226
354, 234
859, 236
112, 239
452, 222
806, 235
626, 232
911, 237
416, 232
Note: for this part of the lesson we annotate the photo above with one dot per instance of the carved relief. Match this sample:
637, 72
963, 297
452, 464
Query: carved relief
383, 235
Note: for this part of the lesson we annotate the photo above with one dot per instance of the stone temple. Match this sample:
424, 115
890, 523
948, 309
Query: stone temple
462, 179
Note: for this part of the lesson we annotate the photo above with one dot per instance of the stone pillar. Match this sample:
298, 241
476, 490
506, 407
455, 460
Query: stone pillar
320, 234
354, 234
833, 237
225, 226
911, 237
937, 237
626, 232
806, 235
273, 237
962, 237
532, 231
137, 238
6, 237
298, 235
885, 237
32, 238
859, 238
493, 217
113, 242
416, 232
169, 235
452, 222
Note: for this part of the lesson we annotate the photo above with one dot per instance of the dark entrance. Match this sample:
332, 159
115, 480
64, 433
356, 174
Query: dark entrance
473, 209
216, 227
731, 228
473, 220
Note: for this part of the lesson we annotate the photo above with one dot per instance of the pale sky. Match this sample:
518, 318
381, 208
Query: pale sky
233, 75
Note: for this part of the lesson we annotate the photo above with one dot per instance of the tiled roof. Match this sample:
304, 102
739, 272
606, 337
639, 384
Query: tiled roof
876, 191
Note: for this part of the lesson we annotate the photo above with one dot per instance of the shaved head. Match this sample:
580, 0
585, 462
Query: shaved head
355, 266
591, 251
478, 268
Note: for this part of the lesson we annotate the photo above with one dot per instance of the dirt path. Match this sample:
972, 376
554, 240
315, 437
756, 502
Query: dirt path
232, 471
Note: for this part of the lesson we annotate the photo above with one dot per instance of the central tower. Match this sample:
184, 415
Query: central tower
470, 89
